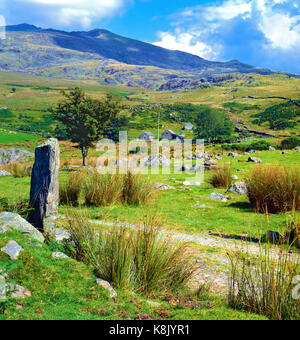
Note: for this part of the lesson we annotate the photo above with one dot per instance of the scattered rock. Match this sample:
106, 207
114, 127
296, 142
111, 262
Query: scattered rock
14, 155
12, 249
239, 188
5, 173
18, 223
153, 161
59, 255
196, 184
186, 183
162, 186
233, 155
297, 148
61, 235
254, 160
202, 206
18, 292
234, 177
218, 197
44, 194
271, 148
107, 286
34, 244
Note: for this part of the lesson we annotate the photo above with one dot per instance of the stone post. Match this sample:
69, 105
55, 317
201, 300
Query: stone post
44, 194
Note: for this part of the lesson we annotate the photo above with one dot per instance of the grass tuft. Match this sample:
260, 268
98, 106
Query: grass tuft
273, 189
222, 177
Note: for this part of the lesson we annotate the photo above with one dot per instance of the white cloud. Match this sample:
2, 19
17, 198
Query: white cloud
281, 30
186, 42
72, 12
205, 30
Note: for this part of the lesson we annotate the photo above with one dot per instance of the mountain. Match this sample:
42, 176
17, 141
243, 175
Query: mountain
106, 57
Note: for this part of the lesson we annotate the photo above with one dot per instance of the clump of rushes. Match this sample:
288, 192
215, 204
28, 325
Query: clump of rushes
142, 260
265, 284
222, 177
274, 189
69, 192
102, 189
137, 189
18, 170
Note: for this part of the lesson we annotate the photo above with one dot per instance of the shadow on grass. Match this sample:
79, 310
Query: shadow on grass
246, 206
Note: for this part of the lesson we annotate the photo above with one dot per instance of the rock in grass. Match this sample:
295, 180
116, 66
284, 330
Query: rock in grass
107, 286
5, 173
14, 155
218, 197
16, 222
254, 160
162, 186
44, 194
59, 255
61, 235
239, 188
13, 249
18, 292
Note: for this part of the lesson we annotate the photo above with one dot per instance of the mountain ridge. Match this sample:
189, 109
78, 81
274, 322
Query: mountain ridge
101, 55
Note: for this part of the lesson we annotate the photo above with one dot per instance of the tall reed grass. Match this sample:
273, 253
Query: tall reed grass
69, 192
18, 170
222, 177
273, 189
265, 284
142, 260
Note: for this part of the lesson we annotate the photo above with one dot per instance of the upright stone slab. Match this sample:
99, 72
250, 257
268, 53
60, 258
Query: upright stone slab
44, 194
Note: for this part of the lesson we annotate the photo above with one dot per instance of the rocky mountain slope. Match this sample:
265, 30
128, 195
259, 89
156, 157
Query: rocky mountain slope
106, 57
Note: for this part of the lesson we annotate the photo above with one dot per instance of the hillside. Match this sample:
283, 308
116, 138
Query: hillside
108, 58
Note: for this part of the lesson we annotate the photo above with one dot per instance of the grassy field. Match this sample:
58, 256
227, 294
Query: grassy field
30, 99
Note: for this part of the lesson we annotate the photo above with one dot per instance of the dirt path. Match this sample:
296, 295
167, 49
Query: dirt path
211, 251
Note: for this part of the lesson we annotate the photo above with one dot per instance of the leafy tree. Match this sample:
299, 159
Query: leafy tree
85, 119
213, 125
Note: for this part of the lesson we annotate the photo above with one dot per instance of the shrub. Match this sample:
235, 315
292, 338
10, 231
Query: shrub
222, 177
273, 189
290, 143
102, 190
136, 189
142, 260
69, 192
265, 284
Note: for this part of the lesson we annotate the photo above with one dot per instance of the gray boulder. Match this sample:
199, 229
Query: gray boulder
254, 160
160, 160
271, 148
14, 155
218, 197
16, 222
12, 249
239, 188
44, 194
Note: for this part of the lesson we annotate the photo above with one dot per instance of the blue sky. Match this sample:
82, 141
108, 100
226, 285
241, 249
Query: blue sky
264, 33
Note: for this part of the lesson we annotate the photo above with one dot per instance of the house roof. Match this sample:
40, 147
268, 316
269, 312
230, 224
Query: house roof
147, 133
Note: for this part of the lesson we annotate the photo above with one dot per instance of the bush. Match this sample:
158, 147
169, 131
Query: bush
141, 260
136, 189
273, 189
222, 177
102, 190
69, 192
290, 143
244, 147
265, 284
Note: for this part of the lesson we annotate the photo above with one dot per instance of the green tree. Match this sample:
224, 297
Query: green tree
85, 119
213, 125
